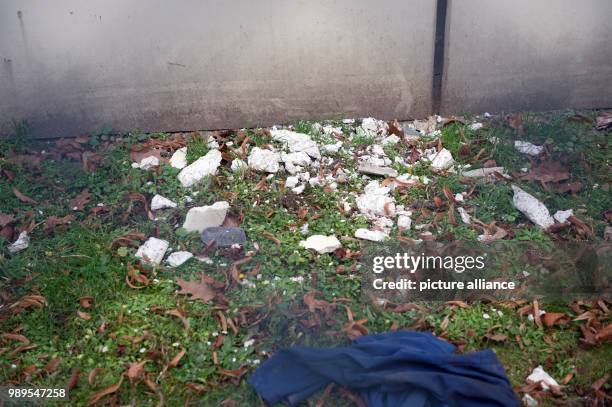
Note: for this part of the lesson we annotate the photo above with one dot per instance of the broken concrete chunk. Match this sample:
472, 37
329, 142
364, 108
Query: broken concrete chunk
538, 375
485, 172
22, 243
374, 127
532, 208
159, 202
321, 244
202, 217
375, 201
371, 235
224, 236
390, 140
238, 165
370, 169
562, 216
291, 182
332, 148
176, 259
152, 251
528, 148
441, 160
202, 167
264, 160
465, 217
297, 142
147, 163
404, 222
179, 158
299, 189
476, 126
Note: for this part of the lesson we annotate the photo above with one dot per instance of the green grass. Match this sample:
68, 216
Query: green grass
78, 260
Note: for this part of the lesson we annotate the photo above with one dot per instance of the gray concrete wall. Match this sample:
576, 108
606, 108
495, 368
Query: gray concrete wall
527, 55
71, 66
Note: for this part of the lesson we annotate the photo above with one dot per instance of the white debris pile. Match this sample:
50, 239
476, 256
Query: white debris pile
321, 244
202, 217
202, 167
485, 172
147, 163
22, 243
532, 208
440, 160
297, 142
546, 382
376, 201
152, 251
238, 165
179, 158
371, 235
159, 202
563, 216
264, 160
176, 259
528, 148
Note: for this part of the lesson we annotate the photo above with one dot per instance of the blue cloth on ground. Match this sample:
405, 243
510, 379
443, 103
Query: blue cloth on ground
395, 369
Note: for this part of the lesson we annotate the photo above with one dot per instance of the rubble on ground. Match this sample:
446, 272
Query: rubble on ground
179, 158
176, 259
528, 148
159, 202
532, 208
202, 167
321, 244
539, 375
147, 163
22, 243
264, 160
202, 217
152, 251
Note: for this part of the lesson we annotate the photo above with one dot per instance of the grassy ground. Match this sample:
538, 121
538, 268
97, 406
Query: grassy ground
89, 328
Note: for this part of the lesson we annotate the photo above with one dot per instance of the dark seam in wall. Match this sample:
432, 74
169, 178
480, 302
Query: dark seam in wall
438, 63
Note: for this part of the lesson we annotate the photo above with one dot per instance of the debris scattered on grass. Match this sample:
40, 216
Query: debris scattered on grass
528, 148
22, 243
202, 217
264, 160
179, 158
202, 167
321, 244
539, 375
563, 216
176, 259
371, 235
152, 251
370, 169
223, 236
532, 208
159, 202
485, 172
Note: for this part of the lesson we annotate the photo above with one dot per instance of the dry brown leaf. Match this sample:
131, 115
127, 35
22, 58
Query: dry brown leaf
83, 315
548, 171
196, 290
6, 219
73, 381
78, 202
181, 315
86, 301
136, 370
105, 392
176, 359
52, 365
23, 198
16, 337
605, 334
92, 375
555, 318
312, 303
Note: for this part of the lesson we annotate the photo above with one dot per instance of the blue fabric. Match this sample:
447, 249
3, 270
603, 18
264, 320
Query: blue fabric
394, 369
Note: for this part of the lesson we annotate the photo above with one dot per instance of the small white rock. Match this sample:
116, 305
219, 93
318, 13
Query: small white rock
562, 216
332, 148
238, 165
178, 258
528, 148
179, 158
441, 160
465, 217
532, 208
297, 142
459, 197
529, 401
152, 251
372, 235
147, 163
202, 217
291, 182
299, 189
476, 126
321, 244
159, 202
264, 160
540, 376
202, 167
22, 243
404, 222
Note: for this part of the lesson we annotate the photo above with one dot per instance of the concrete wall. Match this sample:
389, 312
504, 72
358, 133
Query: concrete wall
527, 55
71, 66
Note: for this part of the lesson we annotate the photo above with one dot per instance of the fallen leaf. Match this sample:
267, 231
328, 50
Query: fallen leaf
78, 202
16, 337
599, 383
312, 303
83, 315
52, 365
105, 392
23, 198
73, 381
6, 219
555, 318
86, 301
548, 171
92, 375
197, 290
181, 315
136, 370
54, 221
496, 337
605, 334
